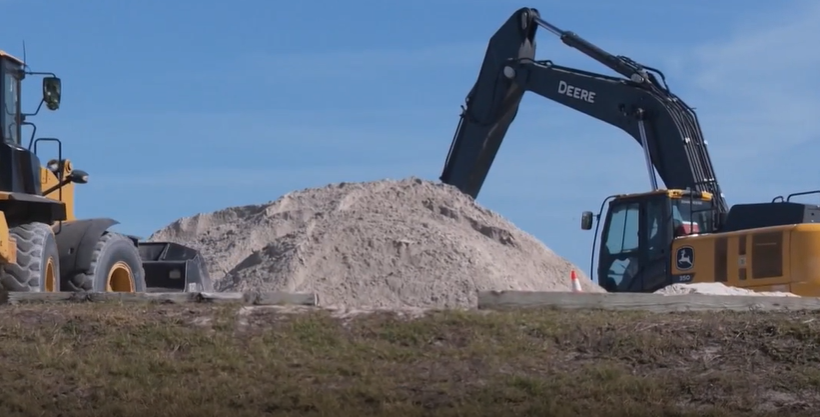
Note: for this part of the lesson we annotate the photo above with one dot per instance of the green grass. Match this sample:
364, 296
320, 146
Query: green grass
160, 360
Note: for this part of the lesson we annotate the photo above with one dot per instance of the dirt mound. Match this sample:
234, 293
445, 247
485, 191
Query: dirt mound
383, 244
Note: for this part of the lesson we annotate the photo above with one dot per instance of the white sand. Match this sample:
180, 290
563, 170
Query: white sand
389, 244
715, 288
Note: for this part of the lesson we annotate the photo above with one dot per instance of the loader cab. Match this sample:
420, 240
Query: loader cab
19, 167
637, 234
12, 118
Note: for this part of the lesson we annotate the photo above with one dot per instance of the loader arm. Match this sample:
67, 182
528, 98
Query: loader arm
665, 127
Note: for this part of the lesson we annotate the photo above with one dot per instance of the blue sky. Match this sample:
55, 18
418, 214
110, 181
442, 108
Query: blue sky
179, 107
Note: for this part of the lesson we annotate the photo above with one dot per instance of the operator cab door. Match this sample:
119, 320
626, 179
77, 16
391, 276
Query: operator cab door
10, 102
635, 245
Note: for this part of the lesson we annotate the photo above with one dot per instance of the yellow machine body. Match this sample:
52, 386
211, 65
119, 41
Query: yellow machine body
8, 246
778, 258
65, 194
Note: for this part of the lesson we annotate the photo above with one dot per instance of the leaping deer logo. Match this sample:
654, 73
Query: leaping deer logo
684, 258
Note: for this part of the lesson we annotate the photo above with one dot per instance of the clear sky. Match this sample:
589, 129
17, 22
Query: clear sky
178, 106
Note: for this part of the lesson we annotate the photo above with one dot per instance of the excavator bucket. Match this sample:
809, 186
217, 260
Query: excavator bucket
171, 267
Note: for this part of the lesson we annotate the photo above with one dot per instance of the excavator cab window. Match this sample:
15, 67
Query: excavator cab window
691, 216
635, 243
10, 97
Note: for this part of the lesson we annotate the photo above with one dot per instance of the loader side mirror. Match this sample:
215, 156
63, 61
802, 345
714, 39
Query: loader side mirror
51, 92
586, 220
78, 177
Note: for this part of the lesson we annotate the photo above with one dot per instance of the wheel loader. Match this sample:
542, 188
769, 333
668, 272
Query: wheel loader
683, 233
43, 246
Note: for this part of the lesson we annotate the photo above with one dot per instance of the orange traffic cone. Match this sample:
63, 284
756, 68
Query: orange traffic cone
576, 285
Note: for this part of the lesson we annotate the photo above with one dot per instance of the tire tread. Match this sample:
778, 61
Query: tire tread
25, 274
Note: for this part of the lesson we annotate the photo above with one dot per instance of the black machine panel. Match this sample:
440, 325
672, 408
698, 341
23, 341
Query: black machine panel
755, 215
19, 170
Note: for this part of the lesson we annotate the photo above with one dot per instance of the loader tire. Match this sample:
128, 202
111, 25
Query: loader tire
38, 260
116, 266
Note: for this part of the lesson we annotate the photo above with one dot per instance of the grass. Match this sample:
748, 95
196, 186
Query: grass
160, 360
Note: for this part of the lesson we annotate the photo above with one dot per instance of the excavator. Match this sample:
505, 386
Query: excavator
683, 233
43, 246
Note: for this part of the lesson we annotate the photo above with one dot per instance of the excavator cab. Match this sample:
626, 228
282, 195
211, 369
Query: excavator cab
637, 235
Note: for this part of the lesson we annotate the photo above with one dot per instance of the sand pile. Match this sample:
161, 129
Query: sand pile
378, 244
715, 288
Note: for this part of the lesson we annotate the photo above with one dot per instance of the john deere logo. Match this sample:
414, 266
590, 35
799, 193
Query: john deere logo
685, 258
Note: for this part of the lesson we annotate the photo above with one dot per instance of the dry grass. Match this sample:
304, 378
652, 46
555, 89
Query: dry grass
109, 360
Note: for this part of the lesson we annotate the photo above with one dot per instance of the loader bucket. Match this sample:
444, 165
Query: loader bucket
171, 267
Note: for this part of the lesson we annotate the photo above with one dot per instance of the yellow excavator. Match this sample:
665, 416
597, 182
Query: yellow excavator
683, 233
43, 246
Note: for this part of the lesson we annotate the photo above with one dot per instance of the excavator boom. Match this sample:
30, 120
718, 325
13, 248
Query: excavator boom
665, 126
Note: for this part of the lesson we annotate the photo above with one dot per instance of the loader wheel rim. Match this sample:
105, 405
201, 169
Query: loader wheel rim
120, 278
50, 276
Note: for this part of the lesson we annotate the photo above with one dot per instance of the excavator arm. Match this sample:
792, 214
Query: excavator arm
666, 128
